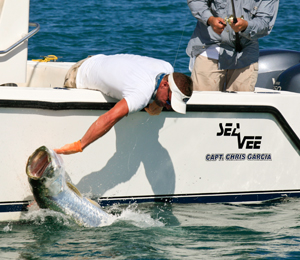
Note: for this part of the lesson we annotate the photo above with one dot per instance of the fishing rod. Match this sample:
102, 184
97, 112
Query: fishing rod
238, 46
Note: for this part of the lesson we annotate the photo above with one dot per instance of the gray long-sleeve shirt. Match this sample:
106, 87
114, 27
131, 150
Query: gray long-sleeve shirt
260, 15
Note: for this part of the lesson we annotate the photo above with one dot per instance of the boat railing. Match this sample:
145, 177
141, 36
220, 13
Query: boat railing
30, 34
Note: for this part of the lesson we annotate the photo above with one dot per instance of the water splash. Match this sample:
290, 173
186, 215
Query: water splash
8, 228
130, 214
42, 216
136, 217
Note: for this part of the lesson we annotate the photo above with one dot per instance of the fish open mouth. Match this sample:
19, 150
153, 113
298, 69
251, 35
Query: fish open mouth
37, 163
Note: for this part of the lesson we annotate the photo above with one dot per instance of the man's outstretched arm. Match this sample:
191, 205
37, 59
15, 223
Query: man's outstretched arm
99, 128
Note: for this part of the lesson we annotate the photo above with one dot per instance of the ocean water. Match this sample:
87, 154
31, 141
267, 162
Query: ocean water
72, 30
75, 29
161, 231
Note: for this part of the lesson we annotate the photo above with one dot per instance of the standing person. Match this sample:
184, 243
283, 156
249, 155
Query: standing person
224, 53
138, 82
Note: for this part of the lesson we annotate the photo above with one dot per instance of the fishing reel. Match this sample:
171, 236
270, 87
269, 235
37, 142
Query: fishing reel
230, 19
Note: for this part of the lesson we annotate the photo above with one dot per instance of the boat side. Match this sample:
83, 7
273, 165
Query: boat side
229, 147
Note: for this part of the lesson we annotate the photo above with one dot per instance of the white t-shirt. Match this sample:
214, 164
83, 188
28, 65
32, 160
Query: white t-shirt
123, 76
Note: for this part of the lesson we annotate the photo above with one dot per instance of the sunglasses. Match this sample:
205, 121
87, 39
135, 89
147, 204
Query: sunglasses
168, 102
185, 100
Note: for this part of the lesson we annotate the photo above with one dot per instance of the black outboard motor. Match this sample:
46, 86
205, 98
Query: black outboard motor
289, 80
275, 63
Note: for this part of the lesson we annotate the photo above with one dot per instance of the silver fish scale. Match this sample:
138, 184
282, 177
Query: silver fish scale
82, 210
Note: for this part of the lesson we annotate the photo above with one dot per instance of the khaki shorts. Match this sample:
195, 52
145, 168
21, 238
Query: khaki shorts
70, 78
207, 77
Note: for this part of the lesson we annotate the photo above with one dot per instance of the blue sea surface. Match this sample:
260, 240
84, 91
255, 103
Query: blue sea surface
72, 30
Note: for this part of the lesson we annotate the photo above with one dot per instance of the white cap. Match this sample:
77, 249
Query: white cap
178, 99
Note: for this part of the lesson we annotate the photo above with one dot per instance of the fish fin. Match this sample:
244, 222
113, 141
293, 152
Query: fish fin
74, 189
94, 203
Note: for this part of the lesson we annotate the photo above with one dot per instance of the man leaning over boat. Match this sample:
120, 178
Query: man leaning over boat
137, 81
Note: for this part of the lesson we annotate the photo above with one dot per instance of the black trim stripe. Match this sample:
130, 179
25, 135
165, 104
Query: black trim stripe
13, 206
204, 194
230, 197
56, 105
15, 202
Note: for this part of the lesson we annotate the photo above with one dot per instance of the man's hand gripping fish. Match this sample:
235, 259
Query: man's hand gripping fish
46, 175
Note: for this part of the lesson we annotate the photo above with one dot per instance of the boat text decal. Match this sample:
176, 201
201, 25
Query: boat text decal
243, 142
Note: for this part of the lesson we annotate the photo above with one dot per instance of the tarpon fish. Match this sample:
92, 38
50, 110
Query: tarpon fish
47, 177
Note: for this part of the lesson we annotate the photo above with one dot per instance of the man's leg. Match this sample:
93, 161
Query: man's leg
206, 76
242, 79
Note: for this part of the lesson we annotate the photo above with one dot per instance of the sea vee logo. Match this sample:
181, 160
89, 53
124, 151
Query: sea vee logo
243, 142
247, 142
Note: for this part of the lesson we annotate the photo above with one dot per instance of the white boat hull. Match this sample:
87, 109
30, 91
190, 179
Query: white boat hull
229, 147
